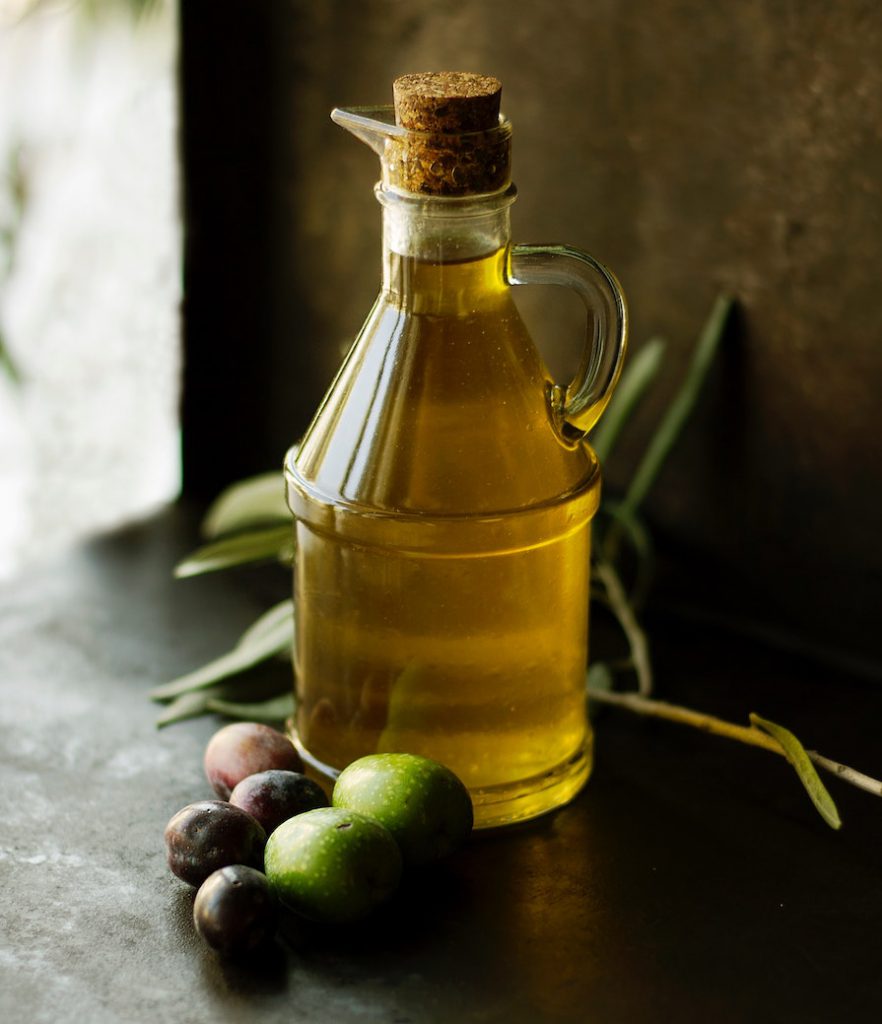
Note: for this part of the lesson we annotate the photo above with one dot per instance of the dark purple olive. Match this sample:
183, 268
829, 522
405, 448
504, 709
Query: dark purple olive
209, 835
275, 796
235, 911
244, 748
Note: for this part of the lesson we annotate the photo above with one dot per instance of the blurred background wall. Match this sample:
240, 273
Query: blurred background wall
694, 147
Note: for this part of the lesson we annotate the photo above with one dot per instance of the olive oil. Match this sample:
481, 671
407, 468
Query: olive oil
441, 580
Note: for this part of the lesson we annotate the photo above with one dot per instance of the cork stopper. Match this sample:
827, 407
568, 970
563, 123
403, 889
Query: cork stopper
455, 144
447, 101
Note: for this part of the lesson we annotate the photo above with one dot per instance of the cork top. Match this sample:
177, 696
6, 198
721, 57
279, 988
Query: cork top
447, 101
455, 144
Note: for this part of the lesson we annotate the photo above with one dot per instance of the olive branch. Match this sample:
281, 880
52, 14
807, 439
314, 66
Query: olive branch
250, 523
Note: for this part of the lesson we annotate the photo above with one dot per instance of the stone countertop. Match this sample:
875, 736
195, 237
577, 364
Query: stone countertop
691, 881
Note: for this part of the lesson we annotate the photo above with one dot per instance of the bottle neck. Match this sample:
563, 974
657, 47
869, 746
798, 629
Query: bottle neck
441, 254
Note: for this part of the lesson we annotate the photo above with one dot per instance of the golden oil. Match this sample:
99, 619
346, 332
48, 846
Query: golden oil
441, 577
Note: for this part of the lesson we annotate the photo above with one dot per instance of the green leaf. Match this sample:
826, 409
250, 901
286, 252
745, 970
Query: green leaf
678, 411
256, 645
280, 615
636, 378
276, 709
600, 679
634, 530
7, 365
406, 712
600, 676
188, 705
253, 689
801, 762
242, 549
256, 501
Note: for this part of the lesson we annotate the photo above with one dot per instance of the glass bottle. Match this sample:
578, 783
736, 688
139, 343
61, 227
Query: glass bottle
444, 490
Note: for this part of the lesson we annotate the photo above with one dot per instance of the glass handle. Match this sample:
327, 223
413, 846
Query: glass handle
575, 409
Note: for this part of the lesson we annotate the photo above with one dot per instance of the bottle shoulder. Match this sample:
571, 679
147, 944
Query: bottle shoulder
441, 415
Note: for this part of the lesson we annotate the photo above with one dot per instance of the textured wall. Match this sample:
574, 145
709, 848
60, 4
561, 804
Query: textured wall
694, 147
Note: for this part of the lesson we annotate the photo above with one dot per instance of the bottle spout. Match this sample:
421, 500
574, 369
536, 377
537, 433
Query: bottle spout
375, 126
444, 136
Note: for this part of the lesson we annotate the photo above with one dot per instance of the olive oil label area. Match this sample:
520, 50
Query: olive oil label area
443, 493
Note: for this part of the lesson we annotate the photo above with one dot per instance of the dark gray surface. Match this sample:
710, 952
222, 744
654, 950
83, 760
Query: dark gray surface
690, 882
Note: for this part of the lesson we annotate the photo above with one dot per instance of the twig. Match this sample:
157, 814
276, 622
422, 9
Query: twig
720, 727
686, 716
842, 771
621, 608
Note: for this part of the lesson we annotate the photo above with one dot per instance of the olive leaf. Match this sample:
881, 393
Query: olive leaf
188, 705
227, 691
678, 411
630, 526
636, 378
253, 502
275, 709
241, 549
271, 634
796, 754
600, 679
7, 365
600, 676
280, 617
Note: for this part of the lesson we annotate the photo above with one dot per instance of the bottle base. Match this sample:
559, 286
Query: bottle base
519, 801
504, 804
